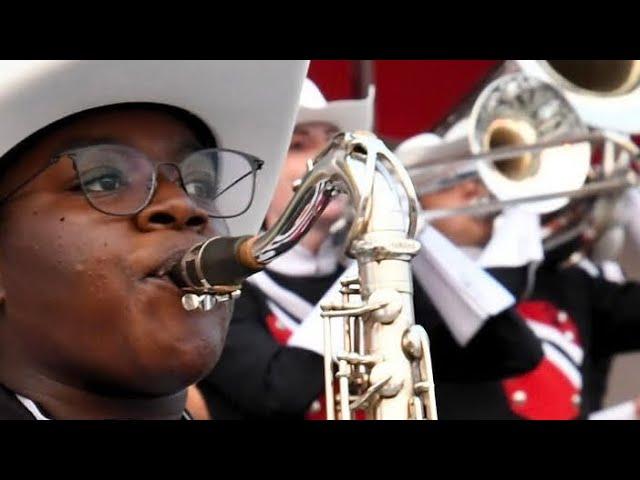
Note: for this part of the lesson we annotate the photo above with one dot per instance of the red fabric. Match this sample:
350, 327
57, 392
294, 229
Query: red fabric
281, 334
411, 95
549, 394
333, 77
546, 313
278, 330
320, 414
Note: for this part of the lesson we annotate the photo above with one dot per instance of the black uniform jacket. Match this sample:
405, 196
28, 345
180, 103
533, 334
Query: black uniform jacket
581, 322
11, 408
258, 376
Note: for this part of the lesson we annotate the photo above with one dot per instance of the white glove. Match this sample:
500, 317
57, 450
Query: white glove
516, 240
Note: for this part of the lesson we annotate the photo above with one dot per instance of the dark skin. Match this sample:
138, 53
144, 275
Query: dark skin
86, 329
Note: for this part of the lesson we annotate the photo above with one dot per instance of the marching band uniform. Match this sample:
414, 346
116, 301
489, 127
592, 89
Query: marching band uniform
626, 215
598, 374
272, 364
580, 320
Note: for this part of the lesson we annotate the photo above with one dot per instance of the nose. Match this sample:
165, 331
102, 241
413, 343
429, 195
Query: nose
473, 188
171, 209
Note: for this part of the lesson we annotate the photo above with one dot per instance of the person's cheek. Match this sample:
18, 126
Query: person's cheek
62, 271
298, 165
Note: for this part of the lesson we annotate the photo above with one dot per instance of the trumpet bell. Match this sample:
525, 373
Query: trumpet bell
515, 111
605, 93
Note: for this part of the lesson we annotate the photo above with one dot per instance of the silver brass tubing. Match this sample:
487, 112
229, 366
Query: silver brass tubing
602, 186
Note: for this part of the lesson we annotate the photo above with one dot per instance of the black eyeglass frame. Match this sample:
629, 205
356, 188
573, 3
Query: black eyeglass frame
255, 163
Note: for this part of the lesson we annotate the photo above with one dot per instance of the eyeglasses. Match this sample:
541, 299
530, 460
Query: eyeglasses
119, 180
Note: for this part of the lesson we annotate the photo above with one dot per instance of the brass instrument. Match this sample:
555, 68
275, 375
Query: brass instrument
384, 362
528, 145
604, 93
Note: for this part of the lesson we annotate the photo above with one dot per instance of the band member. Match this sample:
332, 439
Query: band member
577, 317
110, 171
272, 364
597, 254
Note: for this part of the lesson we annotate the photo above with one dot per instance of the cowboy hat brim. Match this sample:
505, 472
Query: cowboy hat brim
248, 105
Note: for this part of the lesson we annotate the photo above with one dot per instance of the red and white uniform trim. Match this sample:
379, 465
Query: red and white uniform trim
552, 390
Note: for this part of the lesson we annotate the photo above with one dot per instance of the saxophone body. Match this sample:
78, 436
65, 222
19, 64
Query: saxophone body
383, 365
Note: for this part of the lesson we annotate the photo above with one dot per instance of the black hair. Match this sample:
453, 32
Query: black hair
202, 132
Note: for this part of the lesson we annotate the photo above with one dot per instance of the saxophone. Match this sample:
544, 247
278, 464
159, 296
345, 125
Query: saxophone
384, 364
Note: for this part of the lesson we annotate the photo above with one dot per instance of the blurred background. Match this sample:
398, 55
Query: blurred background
414, 96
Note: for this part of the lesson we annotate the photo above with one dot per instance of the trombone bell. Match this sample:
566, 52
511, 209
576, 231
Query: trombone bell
516, 111
598, 77
605, 93
507, 132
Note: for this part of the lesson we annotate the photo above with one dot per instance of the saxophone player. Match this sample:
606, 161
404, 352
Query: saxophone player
110, 170
272, 364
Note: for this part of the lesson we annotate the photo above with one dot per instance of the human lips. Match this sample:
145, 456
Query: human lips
159, 272
164, 266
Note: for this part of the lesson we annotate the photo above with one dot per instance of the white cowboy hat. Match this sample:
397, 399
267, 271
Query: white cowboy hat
347, 115
248, 105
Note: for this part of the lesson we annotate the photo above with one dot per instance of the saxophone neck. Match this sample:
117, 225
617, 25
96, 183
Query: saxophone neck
350, 165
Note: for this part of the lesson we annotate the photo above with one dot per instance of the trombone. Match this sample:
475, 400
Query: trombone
528, 145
